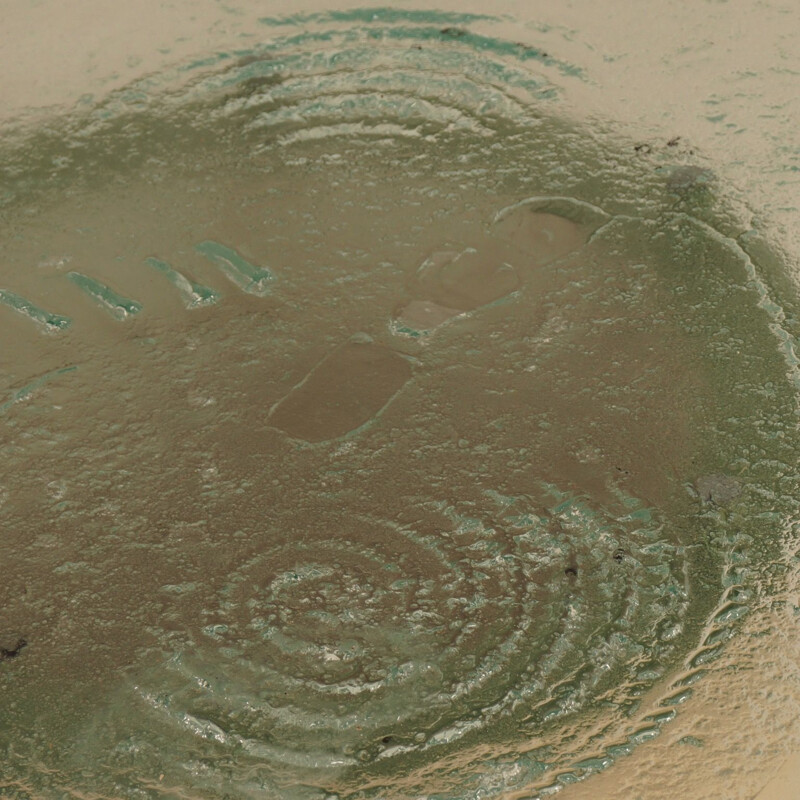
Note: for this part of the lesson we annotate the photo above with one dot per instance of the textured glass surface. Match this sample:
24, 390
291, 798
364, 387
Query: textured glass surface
371, 429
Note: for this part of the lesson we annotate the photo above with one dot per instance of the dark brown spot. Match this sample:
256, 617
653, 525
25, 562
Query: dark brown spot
13, 650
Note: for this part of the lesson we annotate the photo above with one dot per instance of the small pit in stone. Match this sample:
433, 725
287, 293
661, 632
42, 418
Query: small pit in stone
11, 647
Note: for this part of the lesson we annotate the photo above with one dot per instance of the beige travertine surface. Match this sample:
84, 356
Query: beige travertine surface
722, 76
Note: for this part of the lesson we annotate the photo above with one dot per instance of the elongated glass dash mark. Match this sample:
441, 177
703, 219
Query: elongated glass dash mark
249, 278
194, 295
48, 320
115, 304
26, 391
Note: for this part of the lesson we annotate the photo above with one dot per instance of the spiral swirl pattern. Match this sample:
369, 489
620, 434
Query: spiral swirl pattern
347, 639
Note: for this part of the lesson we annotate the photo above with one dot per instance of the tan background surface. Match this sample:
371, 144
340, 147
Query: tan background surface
725, 76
